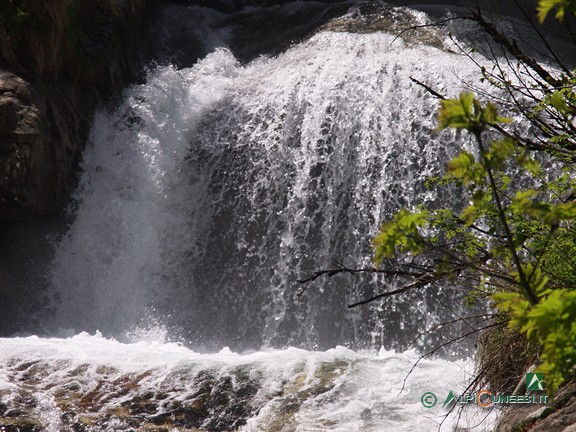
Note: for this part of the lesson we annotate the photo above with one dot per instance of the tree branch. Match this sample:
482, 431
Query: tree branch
423, 280
340, 268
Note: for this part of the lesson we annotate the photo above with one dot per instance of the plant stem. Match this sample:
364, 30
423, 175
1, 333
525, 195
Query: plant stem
524, 283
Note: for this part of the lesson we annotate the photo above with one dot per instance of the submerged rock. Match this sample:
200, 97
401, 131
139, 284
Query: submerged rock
89, 397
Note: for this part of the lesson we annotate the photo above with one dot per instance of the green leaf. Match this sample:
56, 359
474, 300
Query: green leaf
560, 212
490, 115
465, 168
470, 214
461, 165
456, 113
500, 151
545, 6
522, 201
557, 101
400, 234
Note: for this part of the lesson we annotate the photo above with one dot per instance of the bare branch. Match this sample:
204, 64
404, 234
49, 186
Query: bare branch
513, 48
421, 281
433, 24
340, 268
428, 88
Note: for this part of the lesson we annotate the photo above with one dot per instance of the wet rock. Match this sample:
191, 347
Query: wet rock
219, 403
558, 415
272, 30
142, 404
86, 399
21, 425
52, 77
377, 17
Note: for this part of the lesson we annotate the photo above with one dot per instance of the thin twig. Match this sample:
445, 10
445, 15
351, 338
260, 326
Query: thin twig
421, 281
451, 341
434, 24
428, 88
340, 268
447, 323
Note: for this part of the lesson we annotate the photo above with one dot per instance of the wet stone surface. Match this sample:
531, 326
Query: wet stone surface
90, 398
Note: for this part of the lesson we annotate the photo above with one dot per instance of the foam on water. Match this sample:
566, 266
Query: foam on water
100, 381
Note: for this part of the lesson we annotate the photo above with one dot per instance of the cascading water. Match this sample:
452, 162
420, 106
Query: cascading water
211, 190
203, 198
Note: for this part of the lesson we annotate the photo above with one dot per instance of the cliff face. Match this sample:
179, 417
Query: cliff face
42, 126
56, 60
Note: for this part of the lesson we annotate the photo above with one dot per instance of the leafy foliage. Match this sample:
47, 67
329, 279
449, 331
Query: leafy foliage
552, 323
466, 113
401, 233
561, 6
512, 236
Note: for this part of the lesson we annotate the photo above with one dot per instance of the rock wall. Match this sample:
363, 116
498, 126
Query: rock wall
56, 61
42, 127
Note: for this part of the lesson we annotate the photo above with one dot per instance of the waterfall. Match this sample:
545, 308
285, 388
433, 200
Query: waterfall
211, 190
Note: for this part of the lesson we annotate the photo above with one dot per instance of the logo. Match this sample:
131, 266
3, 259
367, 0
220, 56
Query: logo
449, 399
484, 398
486, 402
534, 381
428, 399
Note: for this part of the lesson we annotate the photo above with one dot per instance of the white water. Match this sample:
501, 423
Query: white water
211, 190
361, 391
204, 196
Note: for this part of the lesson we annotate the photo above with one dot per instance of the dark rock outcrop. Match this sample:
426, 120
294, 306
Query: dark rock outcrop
89, 43
42, 127
229, 6
56, 60
272, 30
